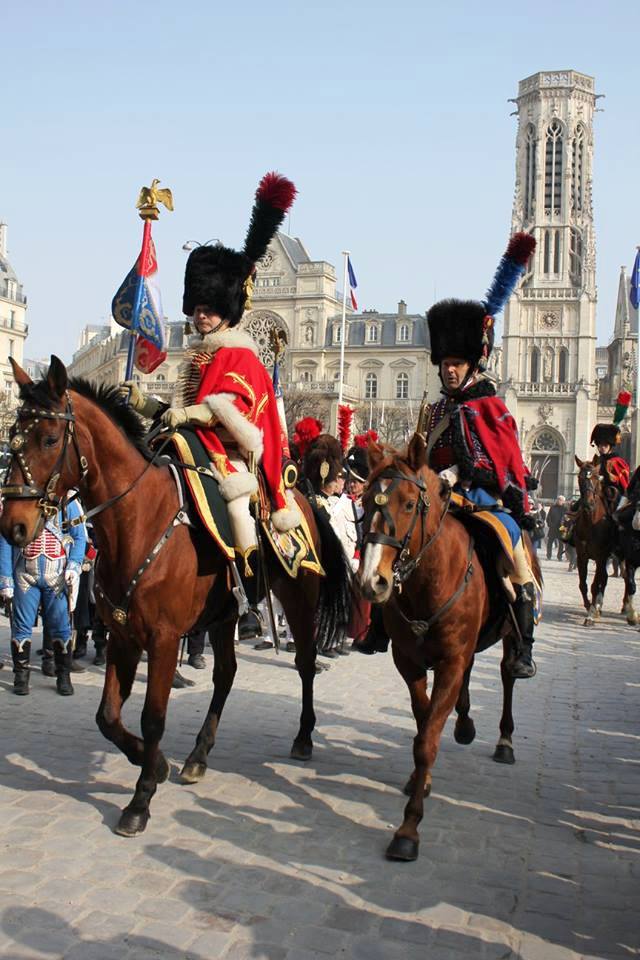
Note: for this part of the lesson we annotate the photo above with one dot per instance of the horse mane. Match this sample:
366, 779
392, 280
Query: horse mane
108, 398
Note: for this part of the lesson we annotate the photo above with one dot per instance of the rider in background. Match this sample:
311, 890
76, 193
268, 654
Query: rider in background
472, 439
614, 469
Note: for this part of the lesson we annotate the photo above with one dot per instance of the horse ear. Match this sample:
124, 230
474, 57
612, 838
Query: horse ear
57, 378
21, 376
417, 453
375, 454
579, 462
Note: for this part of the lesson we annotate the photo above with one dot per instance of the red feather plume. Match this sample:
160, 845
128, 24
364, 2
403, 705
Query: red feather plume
305, 432
364, 439
345, 416
276, 191
624, 398
521, 246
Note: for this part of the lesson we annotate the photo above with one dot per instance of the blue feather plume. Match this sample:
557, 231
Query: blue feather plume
510, 269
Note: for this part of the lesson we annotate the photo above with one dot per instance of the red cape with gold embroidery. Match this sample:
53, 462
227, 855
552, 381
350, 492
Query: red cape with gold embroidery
236, 386
618, 472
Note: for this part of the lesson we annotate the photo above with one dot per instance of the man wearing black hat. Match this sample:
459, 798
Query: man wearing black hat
472, 439
614, 469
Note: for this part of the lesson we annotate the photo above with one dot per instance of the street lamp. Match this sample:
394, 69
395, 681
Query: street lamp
192, 244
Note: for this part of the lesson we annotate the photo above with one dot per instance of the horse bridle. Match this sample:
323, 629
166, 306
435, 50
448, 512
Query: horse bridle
48, 499
404, 564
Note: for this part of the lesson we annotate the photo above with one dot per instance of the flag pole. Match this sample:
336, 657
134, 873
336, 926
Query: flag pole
144, 254
343, 327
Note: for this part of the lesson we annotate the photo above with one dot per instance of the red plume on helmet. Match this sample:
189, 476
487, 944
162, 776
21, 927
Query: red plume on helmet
274, 197
364, 439
305, 432
345, 416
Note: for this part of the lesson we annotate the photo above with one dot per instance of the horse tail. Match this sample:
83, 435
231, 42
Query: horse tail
336, 592
532, 557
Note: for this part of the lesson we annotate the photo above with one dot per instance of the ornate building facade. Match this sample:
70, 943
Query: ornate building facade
13, 332
549, 372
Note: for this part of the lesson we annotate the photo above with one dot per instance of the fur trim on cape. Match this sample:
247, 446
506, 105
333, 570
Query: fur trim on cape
287, 518
212, 342
247, 435
237, 485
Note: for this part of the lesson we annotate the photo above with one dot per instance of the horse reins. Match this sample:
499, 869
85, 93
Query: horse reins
404, 564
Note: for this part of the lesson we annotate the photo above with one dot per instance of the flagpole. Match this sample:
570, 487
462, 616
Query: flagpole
144, 255
343, 327
637, 444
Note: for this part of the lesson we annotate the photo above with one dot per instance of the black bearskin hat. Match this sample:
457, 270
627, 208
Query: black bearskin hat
465, 328
322, 462
605, 433
357, 464
218, 276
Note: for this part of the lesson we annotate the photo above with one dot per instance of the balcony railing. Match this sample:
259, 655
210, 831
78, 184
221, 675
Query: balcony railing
544, 389
322, 386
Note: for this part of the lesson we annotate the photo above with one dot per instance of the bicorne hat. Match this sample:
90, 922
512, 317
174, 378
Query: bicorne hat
465, 328
221, 277
357, 464
605, 433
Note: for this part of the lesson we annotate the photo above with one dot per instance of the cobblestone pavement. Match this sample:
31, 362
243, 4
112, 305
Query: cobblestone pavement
272, 859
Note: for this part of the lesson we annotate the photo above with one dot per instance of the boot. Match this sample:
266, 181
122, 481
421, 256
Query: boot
99, 660
62, 659
80, 649
250, 624
376, 640
47, 666
21, 667
522, 667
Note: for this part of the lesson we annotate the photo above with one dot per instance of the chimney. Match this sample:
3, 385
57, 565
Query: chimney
3, 239
402, 309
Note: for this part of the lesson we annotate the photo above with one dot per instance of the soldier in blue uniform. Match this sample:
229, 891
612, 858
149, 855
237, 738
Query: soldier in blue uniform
46, 572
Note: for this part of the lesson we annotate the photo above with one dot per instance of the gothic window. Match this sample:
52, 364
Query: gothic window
308, 336
530, 173
551, 252
553, 167
402, 386
372, 333
535, 365
556, 252
546, 442
403, 333
577, 169
370, 386
575, 256
563, 363
546, 252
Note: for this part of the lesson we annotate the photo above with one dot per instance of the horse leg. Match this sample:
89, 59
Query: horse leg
504, 748
224, 671
465, 729
448, 680
583, 565
629, 593
163, 658
299, 602
122, 660
598, 587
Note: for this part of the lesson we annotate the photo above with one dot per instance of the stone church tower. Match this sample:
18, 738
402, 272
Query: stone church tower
549, 339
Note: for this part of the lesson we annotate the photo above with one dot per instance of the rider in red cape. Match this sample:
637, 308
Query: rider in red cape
614, 469
472, 439
224, 390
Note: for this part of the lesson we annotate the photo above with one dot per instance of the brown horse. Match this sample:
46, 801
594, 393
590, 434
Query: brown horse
594, 536
420, 562
159, 571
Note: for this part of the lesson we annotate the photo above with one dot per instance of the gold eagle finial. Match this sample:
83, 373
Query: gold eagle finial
150, 197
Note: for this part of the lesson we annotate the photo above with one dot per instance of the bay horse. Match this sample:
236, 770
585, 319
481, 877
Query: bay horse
596, 538
157, 570
420, 562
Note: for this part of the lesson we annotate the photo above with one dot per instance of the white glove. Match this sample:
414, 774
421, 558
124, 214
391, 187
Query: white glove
450, 475
6, 593
198, 413
145, 406
72, 582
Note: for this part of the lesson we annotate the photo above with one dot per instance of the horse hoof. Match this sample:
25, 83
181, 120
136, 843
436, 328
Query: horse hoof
504, 754
132, 822
464, 731
588, 622
162, 768
193, 772
402, 848
408, 788
301, 750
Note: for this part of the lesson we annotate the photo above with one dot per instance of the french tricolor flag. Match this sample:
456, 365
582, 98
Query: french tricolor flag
353, 283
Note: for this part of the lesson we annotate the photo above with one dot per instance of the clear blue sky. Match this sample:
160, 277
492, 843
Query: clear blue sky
392, 119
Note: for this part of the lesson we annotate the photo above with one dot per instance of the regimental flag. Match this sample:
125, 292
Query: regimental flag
147, 356
353, 283
634, 292
137, 306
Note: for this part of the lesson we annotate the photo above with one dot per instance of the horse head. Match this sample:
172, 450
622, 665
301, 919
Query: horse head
41, 469
588, 481
398, 519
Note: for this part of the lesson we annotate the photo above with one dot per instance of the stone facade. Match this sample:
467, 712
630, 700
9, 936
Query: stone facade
549, 342
13, 332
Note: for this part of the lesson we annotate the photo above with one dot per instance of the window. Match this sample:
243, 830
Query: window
562, 365
530, 173
372, 333
577, 169
337, 333
306, 376
553, 168
12, 318
11, 346
402, 386
575, 257
535, 365
551, 252
370, 386
403, 333
161, 378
